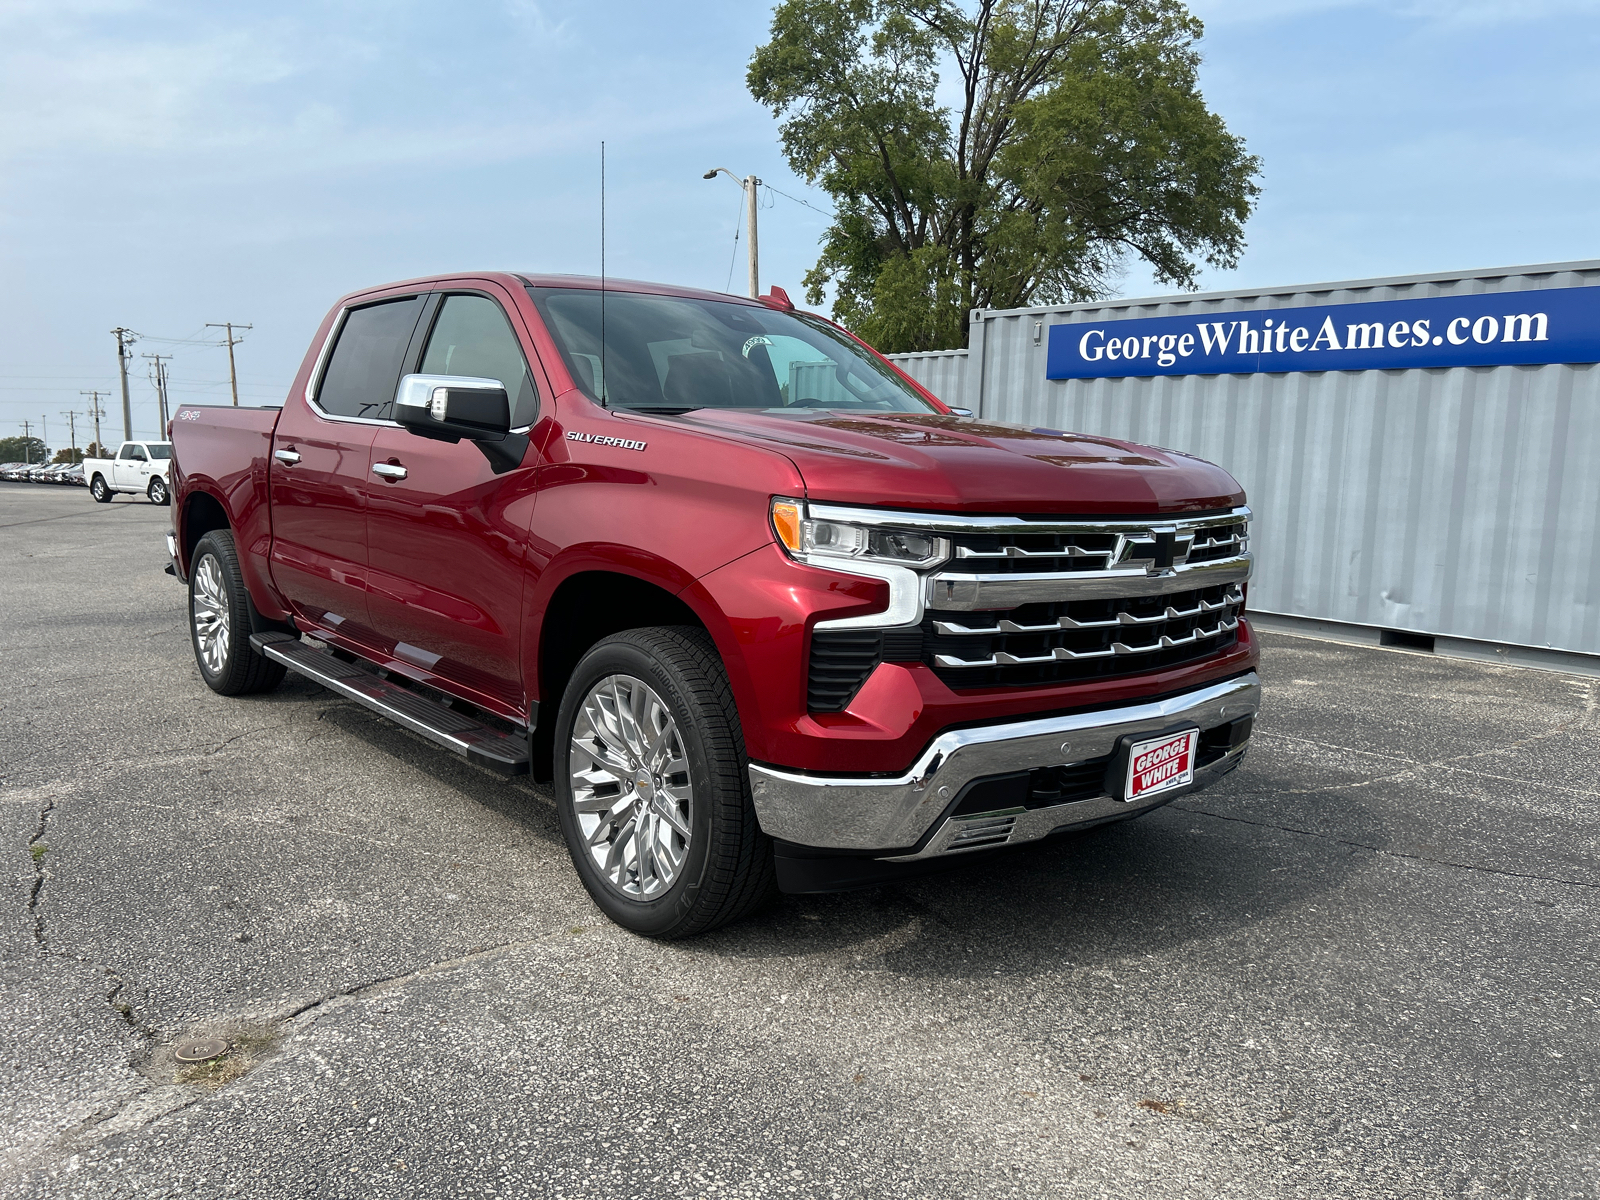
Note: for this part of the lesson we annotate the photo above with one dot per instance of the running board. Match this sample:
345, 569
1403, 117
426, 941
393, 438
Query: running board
502, 753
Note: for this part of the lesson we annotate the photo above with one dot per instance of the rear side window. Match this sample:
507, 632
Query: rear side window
472, 337
364, 371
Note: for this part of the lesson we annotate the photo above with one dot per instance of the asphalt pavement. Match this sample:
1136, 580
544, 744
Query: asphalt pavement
1365, 965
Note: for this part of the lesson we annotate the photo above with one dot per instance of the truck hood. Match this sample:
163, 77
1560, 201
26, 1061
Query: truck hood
956, 464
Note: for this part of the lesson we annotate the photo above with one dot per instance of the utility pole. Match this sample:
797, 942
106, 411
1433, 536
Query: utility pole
44, 437
27, 442
96, 412
233, 376
750, 184
125, 338
72, 428
159, 378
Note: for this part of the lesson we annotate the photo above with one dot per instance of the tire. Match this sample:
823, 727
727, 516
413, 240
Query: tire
157, 491
98, 489
724, 868
219, 622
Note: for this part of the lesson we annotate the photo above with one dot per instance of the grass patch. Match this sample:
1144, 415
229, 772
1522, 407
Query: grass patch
38, 850
244, 1051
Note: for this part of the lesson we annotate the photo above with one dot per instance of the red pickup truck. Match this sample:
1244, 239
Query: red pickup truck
769, 615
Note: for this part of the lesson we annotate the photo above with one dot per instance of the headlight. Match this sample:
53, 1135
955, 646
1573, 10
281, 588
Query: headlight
812, 539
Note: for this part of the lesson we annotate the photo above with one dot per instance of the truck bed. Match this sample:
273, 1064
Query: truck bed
229, 449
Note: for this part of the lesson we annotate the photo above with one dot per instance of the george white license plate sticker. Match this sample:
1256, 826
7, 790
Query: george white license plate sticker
1161, 764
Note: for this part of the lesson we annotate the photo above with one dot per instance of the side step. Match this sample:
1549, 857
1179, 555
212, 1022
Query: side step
505, 754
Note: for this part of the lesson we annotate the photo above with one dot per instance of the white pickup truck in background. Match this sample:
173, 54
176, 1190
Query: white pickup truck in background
138, 467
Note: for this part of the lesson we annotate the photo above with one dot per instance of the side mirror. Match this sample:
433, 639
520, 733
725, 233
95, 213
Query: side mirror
452, 407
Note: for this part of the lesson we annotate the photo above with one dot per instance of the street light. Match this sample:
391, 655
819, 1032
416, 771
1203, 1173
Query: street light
749, 183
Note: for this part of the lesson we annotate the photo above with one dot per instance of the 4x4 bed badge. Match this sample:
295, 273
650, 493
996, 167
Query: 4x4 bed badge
599, 439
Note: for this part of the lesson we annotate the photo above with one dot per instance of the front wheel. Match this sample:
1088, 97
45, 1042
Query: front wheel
219, 622
99, 490
653, 788
158, 492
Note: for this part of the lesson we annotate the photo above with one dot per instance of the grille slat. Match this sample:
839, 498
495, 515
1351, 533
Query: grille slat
1080, 639
841, 660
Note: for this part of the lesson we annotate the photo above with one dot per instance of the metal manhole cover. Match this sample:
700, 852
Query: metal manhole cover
199, 1050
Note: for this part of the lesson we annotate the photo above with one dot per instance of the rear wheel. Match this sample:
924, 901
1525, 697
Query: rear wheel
99, 490
158, 492
653, 788
219, 622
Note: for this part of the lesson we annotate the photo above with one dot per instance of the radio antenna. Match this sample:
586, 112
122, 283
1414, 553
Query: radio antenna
603, 388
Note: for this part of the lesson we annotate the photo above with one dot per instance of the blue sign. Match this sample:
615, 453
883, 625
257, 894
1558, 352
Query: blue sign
1557, 325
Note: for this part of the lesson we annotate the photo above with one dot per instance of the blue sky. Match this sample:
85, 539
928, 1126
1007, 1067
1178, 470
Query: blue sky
163, 165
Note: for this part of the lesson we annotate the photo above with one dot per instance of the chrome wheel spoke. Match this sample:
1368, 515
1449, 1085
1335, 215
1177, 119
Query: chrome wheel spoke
210, 613
666, 811
626, 757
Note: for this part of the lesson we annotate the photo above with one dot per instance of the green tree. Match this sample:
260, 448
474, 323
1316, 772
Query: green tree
68, 455
24, 449
1076, 138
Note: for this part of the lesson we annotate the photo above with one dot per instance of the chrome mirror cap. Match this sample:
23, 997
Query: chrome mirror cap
453, 406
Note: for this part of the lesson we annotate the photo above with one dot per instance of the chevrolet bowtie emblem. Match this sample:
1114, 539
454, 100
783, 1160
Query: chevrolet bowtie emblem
1160, 549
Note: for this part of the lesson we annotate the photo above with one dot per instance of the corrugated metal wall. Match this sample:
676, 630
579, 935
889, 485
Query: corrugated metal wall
1461, 502
942, 372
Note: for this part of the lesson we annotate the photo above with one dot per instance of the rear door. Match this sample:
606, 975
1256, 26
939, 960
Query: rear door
447, 523
319, 468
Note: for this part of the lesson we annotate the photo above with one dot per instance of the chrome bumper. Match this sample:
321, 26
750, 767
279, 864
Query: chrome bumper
893, 814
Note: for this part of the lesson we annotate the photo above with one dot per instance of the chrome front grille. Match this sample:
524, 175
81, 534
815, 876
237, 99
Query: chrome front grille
1035, 601
1085, 639
1011, 562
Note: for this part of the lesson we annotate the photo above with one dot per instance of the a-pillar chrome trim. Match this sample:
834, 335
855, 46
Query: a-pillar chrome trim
893, 813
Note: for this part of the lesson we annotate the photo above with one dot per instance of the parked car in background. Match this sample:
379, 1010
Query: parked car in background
73, 475
8, 470
138, 468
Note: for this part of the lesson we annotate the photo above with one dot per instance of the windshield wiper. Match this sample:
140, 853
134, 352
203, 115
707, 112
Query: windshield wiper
662, 410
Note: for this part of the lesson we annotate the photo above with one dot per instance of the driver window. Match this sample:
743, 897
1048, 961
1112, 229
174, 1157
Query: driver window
473, 337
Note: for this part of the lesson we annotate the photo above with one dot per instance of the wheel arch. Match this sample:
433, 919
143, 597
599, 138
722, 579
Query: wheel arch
584, 607
200, 513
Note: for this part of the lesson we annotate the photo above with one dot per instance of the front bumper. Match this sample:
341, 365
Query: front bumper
911, 816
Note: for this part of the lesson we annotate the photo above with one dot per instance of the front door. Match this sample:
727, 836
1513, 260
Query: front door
132, 468
447, 524
319, 469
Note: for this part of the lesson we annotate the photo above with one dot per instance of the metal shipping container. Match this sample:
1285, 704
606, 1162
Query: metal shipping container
1459, 502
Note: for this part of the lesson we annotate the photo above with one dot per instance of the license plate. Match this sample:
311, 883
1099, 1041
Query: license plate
1160, 764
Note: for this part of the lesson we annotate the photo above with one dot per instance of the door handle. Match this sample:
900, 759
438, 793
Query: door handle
389, 470
287, 457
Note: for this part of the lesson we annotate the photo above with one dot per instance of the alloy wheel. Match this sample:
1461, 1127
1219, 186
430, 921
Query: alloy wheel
209, 609
631, 792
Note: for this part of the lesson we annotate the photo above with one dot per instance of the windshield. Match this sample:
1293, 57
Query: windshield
159, 449
675, 354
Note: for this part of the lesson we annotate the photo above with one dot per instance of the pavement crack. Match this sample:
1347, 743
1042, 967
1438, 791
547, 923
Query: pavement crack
125, 1010
1442, 862
360, 989
37, 849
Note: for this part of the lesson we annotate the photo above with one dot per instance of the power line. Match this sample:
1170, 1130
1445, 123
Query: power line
825, 212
